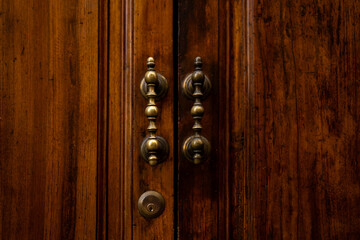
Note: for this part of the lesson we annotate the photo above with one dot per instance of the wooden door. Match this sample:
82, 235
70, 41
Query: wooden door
282, 119
138, 30
48, 119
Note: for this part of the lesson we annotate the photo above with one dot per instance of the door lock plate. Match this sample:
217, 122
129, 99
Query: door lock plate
151, 204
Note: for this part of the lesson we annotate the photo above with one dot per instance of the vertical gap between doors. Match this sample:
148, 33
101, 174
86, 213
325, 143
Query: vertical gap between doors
176, 116
102, 120
107, 116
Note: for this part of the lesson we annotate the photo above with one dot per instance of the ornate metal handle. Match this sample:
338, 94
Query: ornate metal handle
154, 149
196, 86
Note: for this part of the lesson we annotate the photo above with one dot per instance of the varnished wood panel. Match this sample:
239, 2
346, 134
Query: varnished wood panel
286, 162
198, 186
213, 203
48, 119
138, 30
304, 113
235, 133
120, 120
153, 36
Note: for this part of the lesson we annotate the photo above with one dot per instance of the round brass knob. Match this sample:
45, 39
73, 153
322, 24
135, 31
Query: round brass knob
152, 77
151, 204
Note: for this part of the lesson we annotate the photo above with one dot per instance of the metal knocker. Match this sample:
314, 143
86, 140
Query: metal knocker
154, 86
196, 86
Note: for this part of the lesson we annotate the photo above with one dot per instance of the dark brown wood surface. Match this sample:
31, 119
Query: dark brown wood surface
282, 119
120, 120
48, 119
299, 115
198, 187
138, 30
305, 75
285, 157
212, 201
153, 36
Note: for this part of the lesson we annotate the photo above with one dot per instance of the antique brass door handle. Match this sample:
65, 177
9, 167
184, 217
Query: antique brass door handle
196, 86
154, 86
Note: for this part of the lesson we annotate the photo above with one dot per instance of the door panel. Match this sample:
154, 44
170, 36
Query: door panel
282, 119
212, 195
284, 161
138, 30
153, 35
304, 83
198, 186
49, 84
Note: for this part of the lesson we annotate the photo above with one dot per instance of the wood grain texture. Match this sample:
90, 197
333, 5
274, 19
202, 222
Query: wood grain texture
238, 72
137, 30
213, 201
48, 119
120, 120
282, 118
234, 115
198, 191
153, 36
286, 162
305, 105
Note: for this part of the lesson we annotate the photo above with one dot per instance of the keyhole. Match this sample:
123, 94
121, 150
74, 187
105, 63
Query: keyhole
151, 204
150, 207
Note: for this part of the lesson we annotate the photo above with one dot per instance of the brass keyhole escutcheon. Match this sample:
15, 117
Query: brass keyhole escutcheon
151, 204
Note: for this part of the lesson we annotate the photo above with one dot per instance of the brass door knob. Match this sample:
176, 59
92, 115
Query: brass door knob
196, 86
154, 149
